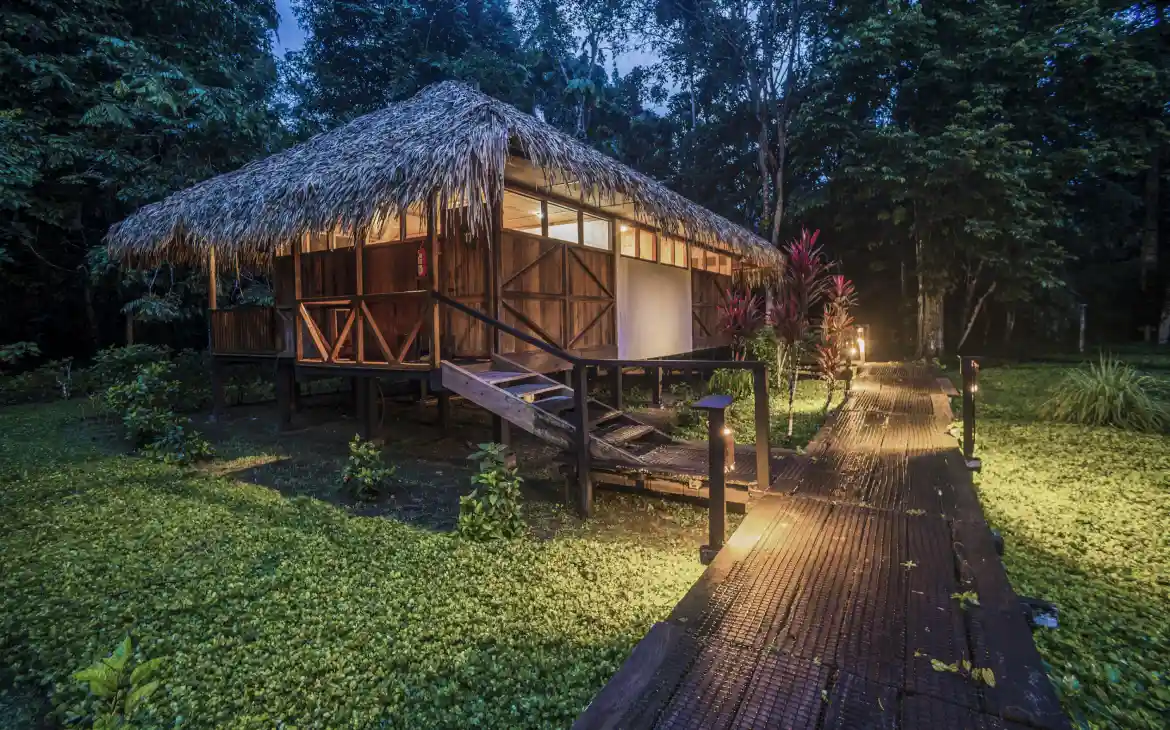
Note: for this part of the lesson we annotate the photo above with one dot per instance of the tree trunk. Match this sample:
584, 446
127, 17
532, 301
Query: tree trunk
1164, 324
975, 315
1149, 263
129, 329
1009, 324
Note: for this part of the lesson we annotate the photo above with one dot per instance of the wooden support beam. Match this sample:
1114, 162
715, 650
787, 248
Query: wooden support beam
444, 403
501, 431
370, 394
433, 283
763, 429
615, 380
492, 286
359, 267
285, 377
581, 440
655, 386
297, 295
212, 282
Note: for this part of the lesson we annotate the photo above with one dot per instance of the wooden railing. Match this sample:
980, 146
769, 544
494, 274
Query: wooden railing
580, 386
251, 331
378, 330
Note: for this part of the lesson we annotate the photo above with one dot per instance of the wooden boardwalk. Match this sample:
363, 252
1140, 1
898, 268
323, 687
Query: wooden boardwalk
831, 600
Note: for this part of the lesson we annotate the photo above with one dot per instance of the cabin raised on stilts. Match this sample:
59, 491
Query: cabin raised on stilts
452, 240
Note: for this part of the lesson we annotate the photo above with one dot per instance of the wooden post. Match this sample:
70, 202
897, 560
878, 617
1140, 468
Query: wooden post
501, 431
299, 351
581, 440
359, 288
285, 377
212, 283
433, 243
715, 405
763, 429
492, 284
217, 389
970, 372
444, 400
656, 386
371, 400
615, 380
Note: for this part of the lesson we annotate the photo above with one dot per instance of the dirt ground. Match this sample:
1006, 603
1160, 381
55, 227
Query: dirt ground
431, 468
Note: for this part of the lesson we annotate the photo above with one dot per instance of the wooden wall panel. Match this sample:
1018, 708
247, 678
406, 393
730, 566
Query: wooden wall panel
595, 324
328, 273
283, 289
390, 267
530, 265
591, 272
708, 291
546, 314
463, 278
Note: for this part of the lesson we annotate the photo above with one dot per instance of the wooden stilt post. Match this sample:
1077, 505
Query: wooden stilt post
763, 430
444, 398
581, 440
715, 405
656, 386
501, 431
615, 376
372, 400
217, 389
285, 377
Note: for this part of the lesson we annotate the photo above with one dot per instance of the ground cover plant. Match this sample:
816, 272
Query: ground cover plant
1085, 512
269, 610
808, 411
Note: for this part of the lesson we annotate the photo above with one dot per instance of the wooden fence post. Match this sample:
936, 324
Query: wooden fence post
581, 440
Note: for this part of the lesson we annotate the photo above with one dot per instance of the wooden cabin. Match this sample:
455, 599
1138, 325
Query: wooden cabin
451, 228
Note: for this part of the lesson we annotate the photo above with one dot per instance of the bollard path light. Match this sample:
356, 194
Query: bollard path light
969, 367
717, 441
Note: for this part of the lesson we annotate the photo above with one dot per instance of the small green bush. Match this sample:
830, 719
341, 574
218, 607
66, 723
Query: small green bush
115, 365
365, 475
1108, 393
116, 690
735, 383
14, 352
492, 510
145, 405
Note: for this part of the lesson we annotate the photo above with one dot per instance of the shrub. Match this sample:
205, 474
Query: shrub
492, 510
365, 475
13, 353
735, 383
116, 690
1108, 393
115, 365
145, 406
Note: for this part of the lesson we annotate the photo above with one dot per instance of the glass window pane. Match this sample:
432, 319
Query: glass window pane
562, 223
711, 261
665, 250
318, 241
342, 239
628, 237
385, 229
522, 213
725, 264
680, 253
645, 244
696, 258
596, 232
416, 223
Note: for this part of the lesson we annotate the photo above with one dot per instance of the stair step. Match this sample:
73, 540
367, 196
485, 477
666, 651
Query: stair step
529, 391
495, 377
605, 418
555, 404
625, 434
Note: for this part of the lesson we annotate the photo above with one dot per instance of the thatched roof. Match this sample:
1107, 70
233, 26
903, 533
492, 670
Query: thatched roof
449, 140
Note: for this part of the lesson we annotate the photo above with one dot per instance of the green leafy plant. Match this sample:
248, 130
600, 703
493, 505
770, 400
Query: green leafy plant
733, 382
964, 668
145, 405
366, 475
1108, 393
966, 599
114, 365
492, 510
119, 689
13, 353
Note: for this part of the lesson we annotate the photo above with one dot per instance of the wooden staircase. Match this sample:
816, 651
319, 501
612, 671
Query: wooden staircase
546, 409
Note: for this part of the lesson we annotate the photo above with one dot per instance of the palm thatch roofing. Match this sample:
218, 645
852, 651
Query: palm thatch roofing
449, 140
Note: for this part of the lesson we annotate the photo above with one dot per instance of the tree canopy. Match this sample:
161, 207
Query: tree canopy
979, 168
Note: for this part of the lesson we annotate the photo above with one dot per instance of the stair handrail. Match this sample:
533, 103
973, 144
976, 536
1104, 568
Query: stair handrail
602, 362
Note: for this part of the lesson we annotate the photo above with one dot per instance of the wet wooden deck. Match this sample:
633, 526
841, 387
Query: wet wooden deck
831, 600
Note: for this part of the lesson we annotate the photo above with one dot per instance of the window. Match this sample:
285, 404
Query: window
562, 223
596, 231
416, 223
666, 250
383, 230
646, 245
724, 264
318, 241
342, 239
697, 258
284, 249
680, 253
522, 213
628, 239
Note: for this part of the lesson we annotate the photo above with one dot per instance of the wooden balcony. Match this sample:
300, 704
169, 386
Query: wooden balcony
384, 331
252, 332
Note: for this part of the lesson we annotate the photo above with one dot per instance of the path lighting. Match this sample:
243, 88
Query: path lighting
969, 367
715, 406
860, 344
728, 449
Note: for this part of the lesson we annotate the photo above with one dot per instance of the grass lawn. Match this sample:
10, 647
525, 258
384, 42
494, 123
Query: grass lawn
273, 611
1085, 513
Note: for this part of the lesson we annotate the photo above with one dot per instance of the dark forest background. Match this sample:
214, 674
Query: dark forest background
980, 168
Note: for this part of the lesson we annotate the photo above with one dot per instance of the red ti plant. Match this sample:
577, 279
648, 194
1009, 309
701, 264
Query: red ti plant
836, 325
740, 317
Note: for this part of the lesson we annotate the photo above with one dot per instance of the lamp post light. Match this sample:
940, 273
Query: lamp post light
860, 344
969, 367
718, 439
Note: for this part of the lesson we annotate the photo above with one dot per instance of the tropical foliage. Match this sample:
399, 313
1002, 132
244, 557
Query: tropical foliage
1109, 392
492, 510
